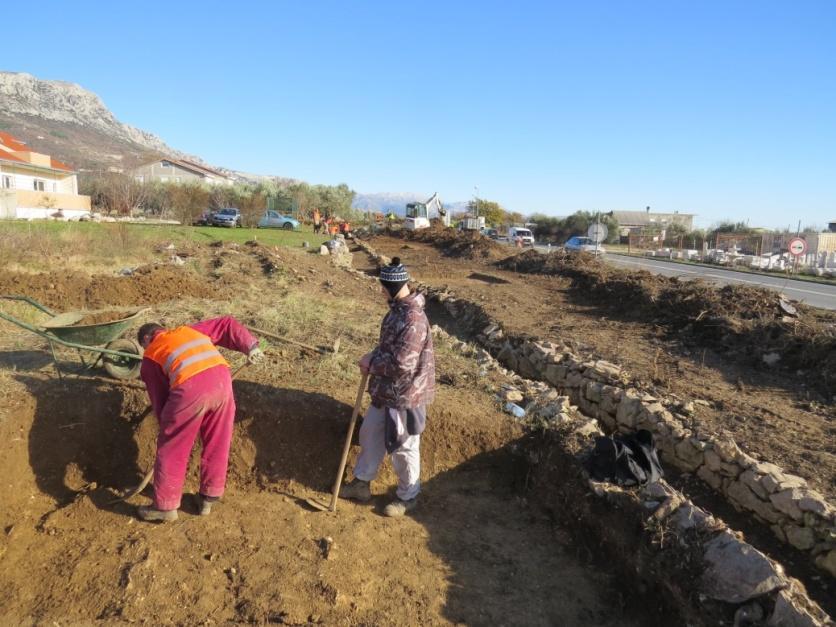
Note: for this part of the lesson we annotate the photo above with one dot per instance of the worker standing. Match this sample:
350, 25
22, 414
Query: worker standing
190, 388
317, 221
401, 385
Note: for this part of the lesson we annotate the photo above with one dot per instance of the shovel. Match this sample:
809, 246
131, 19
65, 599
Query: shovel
334, 349
150, 474
339, 481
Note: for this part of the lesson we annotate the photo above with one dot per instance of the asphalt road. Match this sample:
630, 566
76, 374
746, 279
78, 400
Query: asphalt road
816, 294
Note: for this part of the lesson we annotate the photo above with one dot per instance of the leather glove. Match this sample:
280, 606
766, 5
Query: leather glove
255, 356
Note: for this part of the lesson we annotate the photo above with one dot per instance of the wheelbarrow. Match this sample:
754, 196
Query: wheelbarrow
122, 357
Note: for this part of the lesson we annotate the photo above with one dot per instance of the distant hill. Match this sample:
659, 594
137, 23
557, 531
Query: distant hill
74, 125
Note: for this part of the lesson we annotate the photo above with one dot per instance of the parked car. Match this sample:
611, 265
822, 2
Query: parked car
580, 244
229, 216
204, 219
275, 220
525, 235
492, 233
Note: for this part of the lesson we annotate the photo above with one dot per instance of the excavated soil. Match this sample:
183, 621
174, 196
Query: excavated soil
779, 415
63, 290
462, 245
745, 320
101, 318
474, 552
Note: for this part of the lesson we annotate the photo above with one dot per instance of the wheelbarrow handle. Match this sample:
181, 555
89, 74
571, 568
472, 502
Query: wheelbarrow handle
31, 301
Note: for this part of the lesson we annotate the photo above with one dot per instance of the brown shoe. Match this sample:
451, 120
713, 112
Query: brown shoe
356, 489
151, 514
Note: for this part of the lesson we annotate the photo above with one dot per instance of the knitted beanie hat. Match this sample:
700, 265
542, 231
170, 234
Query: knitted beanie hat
394, 276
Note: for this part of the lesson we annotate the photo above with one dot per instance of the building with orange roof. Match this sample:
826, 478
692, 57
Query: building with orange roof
34, 185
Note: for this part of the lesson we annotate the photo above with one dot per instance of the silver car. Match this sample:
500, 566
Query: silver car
580, 244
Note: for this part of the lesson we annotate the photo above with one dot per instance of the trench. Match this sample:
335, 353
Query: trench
86, 442
795, 564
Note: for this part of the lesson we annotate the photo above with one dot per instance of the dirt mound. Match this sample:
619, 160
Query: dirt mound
101, 317
73, 290
466, 245
748, 320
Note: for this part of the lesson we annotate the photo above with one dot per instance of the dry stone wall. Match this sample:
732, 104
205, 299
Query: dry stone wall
796, 514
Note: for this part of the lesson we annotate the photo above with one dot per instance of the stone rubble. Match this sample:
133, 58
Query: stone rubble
583, 396
796, 514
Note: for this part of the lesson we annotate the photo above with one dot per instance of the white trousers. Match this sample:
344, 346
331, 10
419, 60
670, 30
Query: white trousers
406, 460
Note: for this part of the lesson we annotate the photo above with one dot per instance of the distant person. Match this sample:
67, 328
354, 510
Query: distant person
190, 388
401, 386
317, 221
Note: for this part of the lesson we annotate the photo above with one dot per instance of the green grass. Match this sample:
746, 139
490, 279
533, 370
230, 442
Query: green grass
38, 244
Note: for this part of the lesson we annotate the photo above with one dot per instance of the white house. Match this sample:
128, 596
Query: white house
33, 185
170, 170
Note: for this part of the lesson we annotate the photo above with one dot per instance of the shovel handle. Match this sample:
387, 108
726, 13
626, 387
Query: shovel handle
339, 481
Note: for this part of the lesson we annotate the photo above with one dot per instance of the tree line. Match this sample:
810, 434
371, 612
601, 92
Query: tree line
120, 194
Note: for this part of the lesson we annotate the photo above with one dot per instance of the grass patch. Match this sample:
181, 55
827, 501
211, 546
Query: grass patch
41, 245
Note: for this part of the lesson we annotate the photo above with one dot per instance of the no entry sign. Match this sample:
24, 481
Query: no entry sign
797, 246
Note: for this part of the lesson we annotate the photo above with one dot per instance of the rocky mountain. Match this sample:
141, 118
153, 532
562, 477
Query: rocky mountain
73, 124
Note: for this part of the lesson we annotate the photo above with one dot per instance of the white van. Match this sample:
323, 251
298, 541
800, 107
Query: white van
518, 232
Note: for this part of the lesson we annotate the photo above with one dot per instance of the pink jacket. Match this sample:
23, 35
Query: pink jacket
226, 332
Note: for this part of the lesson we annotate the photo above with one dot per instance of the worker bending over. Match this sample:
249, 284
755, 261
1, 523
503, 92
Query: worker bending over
190, 388
402, 384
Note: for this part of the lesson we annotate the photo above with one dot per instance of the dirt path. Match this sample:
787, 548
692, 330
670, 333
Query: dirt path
769, 416
473, 553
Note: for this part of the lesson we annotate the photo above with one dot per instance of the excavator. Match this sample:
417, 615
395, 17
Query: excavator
418, 213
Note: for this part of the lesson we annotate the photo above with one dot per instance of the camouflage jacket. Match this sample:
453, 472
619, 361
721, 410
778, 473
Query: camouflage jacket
402, 366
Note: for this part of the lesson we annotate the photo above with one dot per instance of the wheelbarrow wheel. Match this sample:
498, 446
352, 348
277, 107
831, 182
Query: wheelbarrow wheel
123, 367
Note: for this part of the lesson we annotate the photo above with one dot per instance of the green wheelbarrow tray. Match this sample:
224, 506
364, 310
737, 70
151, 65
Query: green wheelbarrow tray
64, 328
121, 356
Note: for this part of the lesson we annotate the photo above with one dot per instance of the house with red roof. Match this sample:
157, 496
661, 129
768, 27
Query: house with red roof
34, 185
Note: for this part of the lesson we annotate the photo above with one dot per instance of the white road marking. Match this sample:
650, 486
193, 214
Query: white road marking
726, 277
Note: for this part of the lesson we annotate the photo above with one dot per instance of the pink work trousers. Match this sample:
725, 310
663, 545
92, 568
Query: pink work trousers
202, 405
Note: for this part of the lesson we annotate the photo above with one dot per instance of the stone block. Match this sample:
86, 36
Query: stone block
814, 502
786, 501
742, 497
690, 516
508, 356
736, 572
787, 613
607, 369
752, 482
801, 538
574, 379
689, 457
628, 409
593, 391
710, 477
827, 561
556, 374
514, 396
610, 397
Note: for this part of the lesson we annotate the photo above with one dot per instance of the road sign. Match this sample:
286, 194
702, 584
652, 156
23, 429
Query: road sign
597, 232
797, 246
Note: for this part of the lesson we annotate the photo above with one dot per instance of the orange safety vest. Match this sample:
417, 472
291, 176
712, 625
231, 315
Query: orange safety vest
182, 353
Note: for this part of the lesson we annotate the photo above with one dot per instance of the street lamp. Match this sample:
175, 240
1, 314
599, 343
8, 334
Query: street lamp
476, 203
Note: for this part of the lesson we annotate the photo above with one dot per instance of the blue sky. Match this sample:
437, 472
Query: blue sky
724, 109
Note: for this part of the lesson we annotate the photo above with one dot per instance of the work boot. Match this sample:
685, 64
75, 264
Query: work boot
399, 507
151, 514
356, 489
206, 504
